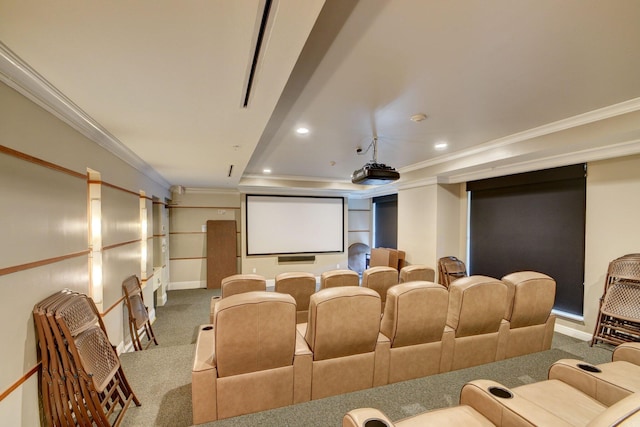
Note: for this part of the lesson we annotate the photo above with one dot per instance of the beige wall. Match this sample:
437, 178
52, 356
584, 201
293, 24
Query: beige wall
190, 211
612, 227
44, 224
188, 214
432, 223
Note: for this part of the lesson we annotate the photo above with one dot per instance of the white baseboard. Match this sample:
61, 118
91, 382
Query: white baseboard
565, 330
193, 284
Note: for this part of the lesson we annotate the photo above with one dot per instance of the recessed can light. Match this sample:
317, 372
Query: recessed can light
302, 131
440, 146
266, 171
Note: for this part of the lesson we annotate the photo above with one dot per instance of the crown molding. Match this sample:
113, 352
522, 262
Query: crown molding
18, 75
622, 149
614, 110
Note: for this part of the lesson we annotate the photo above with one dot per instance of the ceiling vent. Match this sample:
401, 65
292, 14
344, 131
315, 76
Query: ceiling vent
257, 45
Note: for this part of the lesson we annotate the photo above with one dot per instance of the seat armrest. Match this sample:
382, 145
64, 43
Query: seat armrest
512, 411
629, 352
625, 412
302, 348
597, 382
205, 346
204, 378
302, 370
359, 417
382, 360
212, 307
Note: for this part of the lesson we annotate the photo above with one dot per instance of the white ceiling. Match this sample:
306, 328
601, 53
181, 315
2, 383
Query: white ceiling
510, 86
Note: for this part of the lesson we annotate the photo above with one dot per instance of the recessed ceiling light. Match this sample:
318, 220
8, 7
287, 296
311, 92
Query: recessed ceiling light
440, 146
266, 171
302, 131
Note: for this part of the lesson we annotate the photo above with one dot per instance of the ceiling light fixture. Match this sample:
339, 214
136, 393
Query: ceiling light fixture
302, 131
440, 146
418, 117
266, 171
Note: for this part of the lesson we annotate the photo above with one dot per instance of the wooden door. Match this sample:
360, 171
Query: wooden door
221, 251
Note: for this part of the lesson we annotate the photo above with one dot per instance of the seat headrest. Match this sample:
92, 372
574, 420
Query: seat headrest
530, 298
415, 313
343, 321
476, 305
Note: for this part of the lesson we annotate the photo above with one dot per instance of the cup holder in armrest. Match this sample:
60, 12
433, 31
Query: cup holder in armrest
501, 392
589, 368
207, 328
374, 422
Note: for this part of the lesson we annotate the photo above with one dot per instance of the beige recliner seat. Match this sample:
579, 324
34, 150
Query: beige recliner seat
411, 273
343, 333
414, 320
488, 403
251, 358
240, 283
519, 408
530, 298
336, 278
476, 331
300, 286
607, 382
380, 279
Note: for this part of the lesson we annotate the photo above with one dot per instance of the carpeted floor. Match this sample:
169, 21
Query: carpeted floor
161, 377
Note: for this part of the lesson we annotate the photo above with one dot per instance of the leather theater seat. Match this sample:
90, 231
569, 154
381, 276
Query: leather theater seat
336, 278
488, 403
607, 382
300, 286
530, 298
476, 331
343, 333
414, 320
411, 273
251, 359
380, 279
240, 283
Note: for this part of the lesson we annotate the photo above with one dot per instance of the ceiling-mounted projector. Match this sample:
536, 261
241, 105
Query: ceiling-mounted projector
374, 173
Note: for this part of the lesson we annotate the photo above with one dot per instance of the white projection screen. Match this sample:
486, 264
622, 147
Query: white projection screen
294, 225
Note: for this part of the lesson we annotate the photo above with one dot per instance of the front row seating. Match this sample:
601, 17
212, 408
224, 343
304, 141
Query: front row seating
567, 398
250, 359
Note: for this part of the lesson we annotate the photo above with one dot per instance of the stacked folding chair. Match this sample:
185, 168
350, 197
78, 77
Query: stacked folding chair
139, 323
619, 315
82, 382
450, 268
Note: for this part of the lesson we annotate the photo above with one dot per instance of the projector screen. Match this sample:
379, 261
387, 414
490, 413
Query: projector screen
294, 224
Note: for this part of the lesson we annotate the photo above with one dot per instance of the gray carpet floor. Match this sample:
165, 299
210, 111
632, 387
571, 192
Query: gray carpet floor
161, 377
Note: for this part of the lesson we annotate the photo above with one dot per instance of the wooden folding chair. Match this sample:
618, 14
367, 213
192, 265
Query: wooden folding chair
450, 268
139, 323
619, 312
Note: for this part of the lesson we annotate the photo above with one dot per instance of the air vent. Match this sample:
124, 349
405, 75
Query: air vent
256, 52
